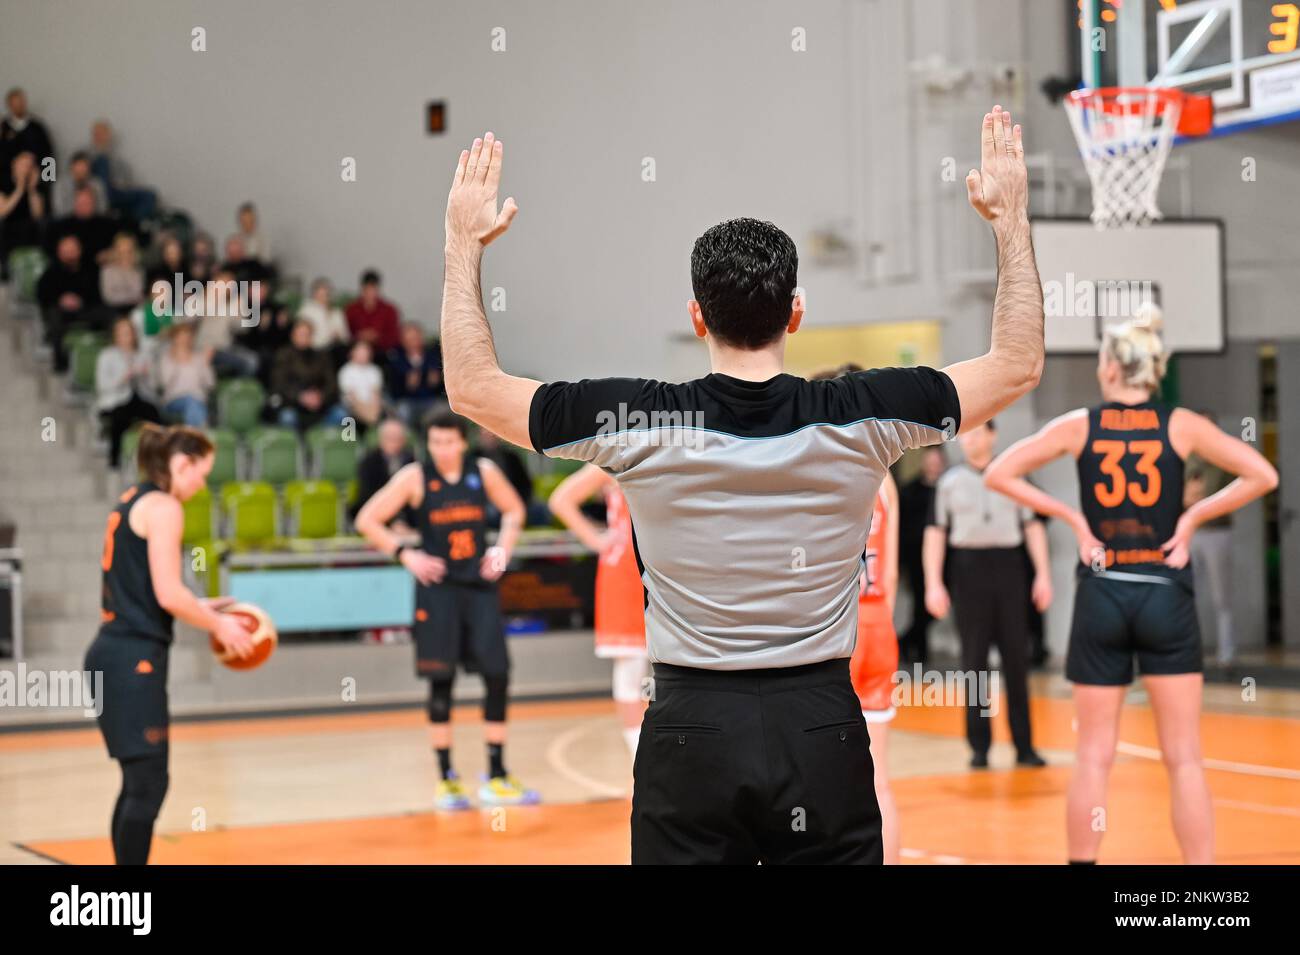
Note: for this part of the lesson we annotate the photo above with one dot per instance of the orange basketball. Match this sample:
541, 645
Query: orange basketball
258, 623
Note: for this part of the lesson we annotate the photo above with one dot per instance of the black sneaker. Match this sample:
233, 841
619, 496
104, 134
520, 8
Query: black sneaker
979, 761
1030, 759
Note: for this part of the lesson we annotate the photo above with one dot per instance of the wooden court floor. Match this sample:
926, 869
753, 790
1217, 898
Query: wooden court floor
356, 787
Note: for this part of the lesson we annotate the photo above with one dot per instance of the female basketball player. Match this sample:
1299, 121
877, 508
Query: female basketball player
142, 593
620, 599
457, 608
875, 655
1135, 587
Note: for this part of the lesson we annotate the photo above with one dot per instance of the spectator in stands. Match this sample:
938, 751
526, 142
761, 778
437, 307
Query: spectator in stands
244, 267
185, 378
68, 293
121, 383
415, 375
136, 204
329, 330
121, 280
223, 316
153, 316
77, 176
390, 455
171, 262
361, 385
203, 258
255, 243
303, 390
21, 132
22, 209
372, 318
94, 231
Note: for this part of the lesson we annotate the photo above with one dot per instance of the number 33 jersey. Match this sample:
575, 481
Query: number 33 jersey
1131, 482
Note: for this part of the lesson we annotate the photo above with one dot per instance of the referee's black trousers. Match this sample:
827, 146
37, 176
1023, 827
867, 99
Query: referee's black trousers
989, 587
749, 766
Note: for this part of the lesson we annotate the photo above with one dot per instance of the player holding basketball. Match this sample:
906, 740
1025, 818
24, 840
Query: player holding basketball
142, 593
620, 598
457, 607
1135, 595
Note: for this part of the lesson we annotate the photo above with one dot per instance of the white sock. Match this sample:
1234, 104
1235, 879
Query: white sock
630, 736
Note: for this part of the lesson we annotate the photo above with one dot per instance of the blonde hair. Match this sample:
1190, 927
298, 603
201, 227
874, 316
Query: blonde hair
1137, 347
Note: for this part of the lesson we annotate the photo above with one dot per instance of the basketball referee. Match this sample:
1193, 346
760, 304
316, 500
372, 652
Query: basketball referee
746, 490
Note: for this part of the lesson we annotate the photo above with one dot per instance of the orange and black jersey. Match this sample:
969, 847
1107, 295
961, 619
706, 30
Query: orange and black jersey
128, 605
1131, 483
453, 521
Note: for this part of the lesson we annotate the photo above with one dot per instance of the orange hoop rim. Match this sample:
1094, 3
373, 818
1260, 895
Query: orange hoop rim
1195, 110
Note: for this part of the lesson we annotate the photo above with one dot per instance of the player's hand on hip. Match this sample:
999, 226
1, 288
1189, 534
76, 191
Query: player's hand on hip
1178, 549
493, 563
999, 189
472, 214
937, 601
234, 636
425, 568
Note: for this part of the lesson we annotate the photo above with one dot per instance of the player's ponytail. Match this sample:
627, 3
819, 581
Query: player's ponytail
158, 444
1136, 345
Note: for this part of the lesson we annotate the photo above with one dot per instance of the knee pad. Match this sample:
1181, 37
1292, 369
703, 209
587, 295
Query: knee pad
494, 700
629, 675
439, 701
144, 787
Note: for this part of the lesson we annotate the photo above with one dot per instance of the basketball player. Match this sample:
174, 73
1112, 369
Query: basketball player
875, 656
620, 598
457, 607
142, 593
1134, 594
747, 489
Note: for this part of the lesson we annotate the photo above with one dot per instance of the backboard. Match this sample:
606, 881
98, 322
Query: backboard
1091, 280
1243, 53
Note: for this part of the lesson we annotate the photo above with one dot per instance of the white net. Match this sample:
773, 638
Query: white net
1124, 136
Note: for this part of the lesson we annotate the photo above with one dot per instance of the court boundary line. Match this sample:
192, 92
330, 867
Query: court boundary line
1222, 765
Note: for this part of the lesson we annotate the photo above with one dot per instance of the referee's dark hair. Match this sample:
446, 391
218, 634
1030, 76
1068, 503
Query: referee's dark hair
743, 274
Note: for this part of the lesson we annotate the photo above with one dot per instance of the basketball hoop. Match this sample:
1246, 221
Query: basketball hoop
1124, 135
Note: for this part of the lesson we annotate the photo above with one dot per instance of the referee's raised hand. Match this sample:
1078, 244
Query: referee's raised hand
999, 189
472, 215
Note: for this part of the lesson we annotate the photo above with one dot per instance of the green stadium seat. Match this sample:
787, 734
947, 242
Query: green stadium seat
225, 463
250, 507
130, 445
274, 455
83, 351
198, 518
333, 458
313, 508
239, 404
544, 484
25, 267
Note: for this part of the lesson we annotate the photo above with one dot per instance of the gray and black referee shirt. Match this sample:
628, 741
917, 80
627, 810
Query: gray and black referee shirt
750, 501
974, 516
